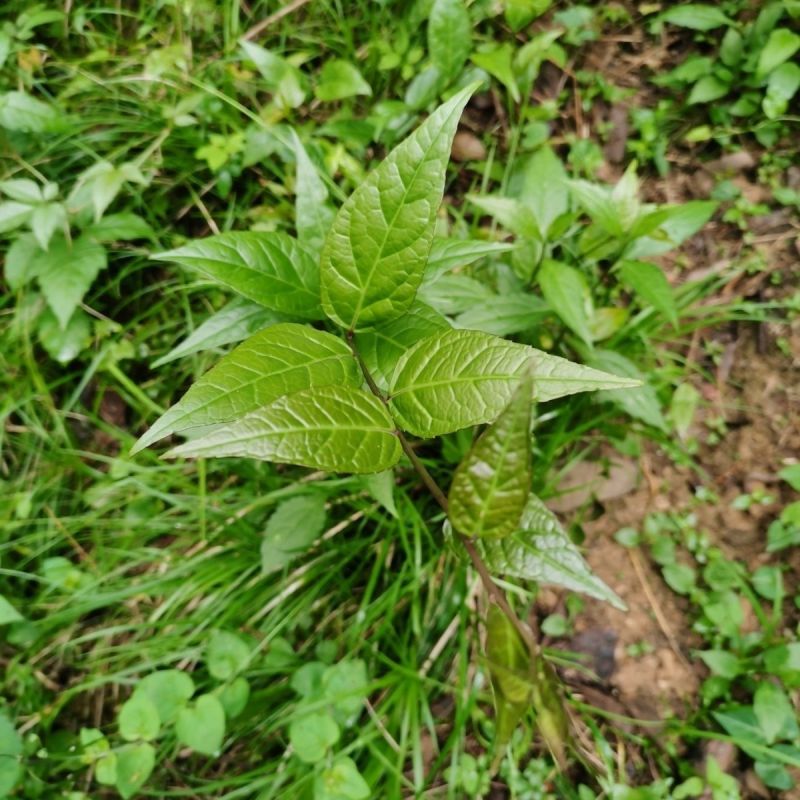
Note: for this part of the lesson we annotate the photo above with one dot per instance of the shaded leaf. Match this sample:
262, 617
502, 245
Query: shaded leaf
312, 736
291, 529
201, 725
339, 79
449, 37
567, 293
542, 551
134, 766
504, 314
649, 282
313, 215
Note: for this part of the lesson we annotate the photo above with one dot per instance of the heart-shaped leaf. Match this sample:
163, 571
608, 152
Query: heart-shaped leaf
201, 725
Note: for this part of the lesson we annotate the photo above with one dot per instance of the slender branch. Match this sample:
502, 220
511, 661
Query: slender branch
492, 589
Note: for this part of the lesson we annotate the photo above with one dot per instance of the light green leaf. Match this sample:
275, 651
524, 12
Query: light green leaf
504, 314
455, 379
708, 89
447, 254
512, 214
521, 12
134, 766
20, 260
509, 660
382, 346
66, 271
782, 86
375, 253
649, 282
542, 551
339, 79
454, 294
291, 529
567, 293
236, 321
8, 613
14, 215
313, 215
234, 697
105, 769
449, 37
312, 736
698, 17
775, 714
122, 227
333, 428
280, 360
22, 189
139, 719
678, 224
344, 686
541, 184
497, 60
597, 203
201, 725
271, 269
20, 111
283, 79
721, 662
381, 486
11, 750
424, 88
641, 401
342, 781
46, 219
168, 689
226, 655
491, 484
780, 47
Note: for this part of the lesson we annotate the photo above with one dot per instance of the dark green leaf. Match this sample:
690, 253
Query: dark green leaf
650, 283
698, 17
449, 37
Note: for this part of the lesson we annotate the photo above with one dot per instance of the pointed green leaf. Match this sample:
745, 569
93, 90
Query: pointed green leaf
541, 185
313, 215
453, 294
567, 293
236, 321
292, 528
511, 213
11, 758
508, 657
280, 360
491, 485
375, 253
504, 314
447, 254
449, 37
340, 79
455, 379
650, 283
382, 346
542, 551
271, 269
334, 428
66, 271
201, 725
8, 613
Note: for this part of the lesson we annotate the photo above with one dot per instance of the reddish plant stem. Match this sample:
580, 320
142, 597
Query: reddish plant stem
492, 589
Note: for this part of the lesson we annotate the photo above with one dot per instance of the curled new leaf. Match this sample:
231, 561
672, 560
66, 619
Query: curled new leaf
492, 483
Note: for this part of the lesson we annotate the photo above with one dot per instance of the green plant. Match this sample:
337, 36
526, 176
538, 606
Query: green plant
344, 402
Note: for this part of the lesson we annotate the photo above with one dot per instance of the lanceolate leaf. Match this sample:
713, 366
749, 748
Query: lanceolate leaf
567, 293
236, 321
504, 314
334, 428
382, 346
492, 483
280, 360
313, 215
271, 269
375, 253
455, 379
447, 254
449, 37
542, 551
650, 283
